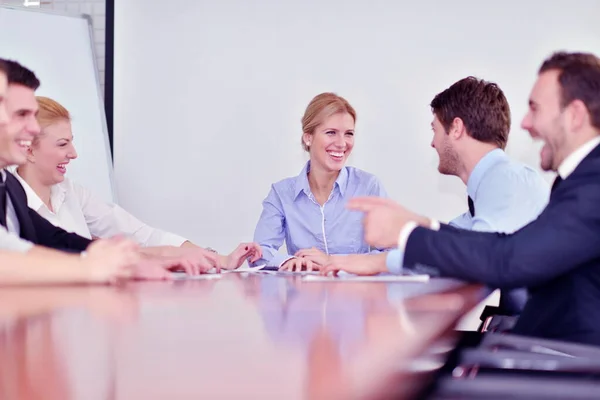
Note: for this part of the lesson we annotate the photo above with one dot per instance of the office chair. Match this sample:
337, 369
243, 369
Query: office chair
514, 387
494, 320
529, 366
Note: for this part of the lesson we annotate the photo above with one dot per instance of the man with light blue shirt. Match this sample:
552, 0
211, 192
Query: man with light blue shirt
470, 129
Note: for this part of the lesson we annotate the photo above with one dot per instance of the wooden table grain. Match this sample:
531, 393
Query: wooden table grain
239, 336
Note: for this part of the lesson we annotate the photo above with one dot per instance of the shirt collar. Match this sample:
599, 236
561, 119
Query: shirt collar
301, 184
7, 169
571, 162
488, 161
57, 195
33, 200
342, 181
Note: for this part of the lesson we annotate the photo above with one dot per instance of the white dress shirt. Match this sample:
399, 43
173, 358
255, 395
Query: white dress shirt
571, 162
566, 167
77, 210
12, 242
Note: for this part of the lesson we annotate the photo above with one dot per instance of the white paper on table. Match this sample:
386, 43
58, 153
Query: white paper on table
260, 269
183, 275
247, 268
374, 278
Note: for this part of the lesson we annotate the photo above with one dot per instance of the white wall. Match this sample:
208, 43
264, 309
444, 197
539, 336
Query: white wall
209, 95
72, 83
96, 9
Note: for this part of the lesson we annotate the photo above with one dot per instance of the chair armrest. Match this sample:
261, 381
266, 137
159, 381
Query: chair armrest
535, 345
517, 360
515, 387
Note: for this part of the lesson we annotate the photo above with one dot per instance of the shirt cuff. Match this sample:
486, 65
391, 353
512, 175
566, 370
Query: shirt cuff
410, 226
393, 261
404, 234
277, 261
10, 241
23, 246
169, 239
285, 260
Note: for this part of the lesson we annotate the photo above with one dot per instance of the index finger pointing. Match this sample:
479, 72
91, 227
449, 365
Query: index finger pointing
371, 200
358, 205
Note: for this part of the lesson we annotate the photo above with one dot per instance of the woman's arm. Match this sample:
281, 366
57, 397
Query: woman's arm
106, 220
270, 231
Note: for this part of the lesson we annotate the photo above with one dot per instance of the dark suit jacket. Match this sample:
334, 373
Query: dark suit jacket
557, 257
36, 228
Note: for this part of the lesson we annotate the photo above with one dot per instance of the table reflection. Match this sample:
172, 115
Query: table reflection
243, 335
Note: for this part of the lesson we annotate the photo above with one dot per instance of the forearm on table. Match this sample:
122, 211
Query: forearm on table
160, 251
40, 265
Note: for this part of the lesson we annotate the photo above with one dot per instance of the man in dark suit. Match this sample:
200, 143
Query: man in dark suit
557, 256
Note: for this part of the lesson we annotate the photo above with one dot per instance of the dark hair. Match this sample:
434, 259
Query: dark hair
3, 67
20, 75
579, 79
482, 107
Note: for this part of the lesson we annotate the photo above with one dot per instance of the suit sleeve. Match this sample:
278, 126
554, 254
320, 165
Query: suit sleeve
54, 237
563, 237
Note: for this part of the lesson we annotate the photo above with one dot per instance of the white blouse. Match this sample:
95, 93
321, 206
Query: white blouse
77, 210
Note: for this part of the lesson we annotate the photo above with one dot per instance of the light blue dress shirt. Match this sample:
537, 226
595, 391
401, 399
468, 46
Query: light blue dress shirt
291, 213
507, 195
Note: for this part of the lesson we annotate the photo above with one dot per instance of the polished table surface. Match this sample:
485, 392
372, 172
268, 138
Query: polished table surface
252, 336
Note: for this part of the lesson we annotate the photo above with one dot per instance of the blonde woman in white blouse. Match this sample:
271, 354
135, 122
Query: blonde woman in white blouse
76, 209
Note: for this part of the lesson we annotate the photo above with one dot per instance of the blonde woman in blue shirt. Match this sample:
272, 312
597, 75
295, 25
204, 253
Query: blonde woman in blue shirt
308, 211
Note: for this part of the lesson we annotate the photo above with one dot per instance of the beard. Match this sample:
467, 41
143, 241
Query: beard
546, 158
449, 160
554, 145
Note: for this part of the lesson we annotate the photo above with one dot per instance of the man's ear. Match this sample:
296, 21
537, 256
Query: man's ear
577, 115
457, 129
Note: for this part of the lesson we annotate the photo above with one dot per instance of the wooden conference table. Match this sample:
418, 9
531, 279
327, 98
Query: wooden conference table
252, 336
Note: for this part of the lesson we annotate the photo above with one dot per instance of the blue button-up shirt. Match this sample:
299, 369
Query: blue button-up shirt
291, 213
507, 195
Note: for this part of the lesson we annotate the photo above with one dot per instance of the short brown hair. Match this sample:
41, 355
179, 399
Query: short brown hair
579, 79
482, 107
21, 75
3, 67
321, 107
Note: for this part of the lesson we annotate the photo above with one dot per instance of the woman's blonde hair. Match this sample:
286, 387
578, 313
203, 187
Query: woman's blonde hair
50, 112
320, 108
